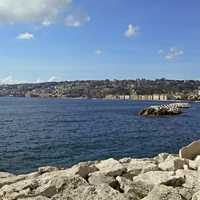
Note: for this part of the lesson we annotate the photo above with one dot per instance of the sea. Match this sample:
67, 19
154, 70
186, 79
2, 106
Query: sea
37, 132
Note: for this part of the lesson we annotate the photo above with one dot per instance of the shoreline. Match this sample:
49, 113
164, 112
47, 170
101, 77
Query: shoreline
83, 98
165, 176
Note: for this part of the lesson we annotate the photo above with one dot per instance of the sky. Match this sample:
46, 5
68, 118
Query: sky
54, 40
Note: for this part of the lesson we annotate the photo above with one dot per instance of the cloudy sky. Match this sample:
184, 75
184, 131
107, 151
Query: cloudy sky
47, 40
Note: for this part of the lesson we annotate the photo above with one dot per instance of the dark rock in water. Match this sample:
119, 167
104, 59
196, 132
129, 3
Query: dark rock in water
159, 111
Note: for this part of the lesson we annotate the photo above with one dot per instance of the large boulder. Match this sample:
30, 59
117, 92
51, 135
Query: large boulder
191, 178
46, 169
98, 178
47, 185
130, 189
172, 163
111, 167
137, 166
161, 157
83, 169
191, 151
162, 192
10, 179
100, 192
150, 179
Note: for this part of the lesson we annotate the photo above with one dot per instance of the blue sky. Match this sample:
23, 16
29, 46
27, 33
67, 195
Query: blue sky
90, 39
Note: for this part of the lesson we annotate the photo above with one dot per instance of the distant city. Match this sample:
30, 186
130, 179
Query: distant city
139, 89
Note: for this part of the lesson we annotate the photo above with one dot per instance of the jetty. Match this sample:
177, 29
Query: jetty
166, 109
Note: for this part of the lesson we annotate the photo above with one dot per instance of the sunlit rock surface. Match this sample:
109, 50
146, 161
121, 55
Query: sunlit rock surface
164, 177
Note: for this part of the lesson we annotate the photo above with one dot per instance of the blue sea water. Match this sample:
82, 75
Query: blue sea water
37, 132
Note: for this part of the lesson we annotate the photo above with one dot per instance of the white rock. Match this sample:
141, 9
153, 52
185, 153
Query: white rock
191, 179
83, 169
100, 192
46, 169
10, 180
172, 164
161, 157
137, 166
98, 178
150, 179
162, 192
196, 196
192, 164
130, 189
111, 167
34, 198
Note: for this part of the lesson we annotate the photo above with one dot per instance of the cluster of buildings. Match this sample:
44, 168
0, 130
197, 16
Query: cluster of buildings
135, 97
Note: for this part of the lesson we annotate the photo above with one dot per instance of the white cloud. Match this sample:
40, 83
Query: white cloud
98, 52
77, 19
132, 31
46, 23
25, 36
172, 54
9, 80
54, 79
38, 81
25, 11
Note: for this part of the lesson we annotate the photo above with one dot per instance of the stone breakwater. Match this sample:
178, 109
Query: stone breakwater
167, 109
164, 177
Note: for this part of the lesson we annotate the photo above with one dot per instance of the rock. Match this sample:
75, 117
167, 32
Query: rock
46, 169
111, 167
47, 185
197, 158
100, 192
162, 192
34, 198
160, 110
150, 179
10, 180
186, 193
98, 178
83, 169
191, 151
172, 164
192, 164
191, 179
126, 179
196, 196
125, 160
5, 175
137, 166
50, 188
17, 190
161, 157
130, 189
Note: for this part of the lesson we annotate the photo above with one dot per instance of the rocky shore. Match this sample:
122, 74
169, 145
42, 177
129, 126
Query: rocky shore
164, 177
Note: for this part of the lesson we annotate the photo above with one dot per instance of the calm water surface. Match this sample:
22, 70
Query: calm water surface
38, 132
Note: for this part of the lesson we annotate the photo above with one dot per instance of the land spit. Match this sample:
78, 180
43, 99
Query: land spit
164, 177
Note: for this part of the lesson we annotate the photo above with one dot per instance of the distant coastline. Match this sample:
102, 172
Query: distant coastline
139, 89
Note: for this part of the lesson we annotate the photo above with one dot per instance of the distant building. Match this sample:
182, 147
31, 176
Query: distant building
135, 97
